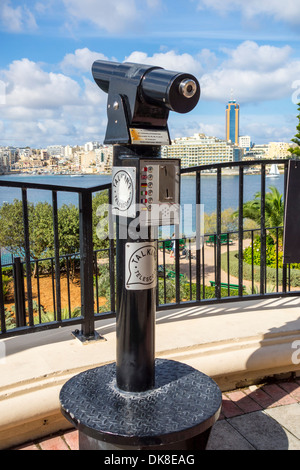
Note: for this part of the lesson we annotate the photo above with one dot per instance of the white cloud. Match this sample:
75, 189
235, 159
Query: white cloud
43, 107
114, 17
254, 73
289, 11
81, 60
30, 87
16, 19
260, 58
168, 60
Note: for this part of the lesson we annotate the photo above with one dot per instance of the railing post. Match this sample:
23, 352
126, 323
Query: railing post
218, 237
2, 309
19, 292
241, 233
263, 230
88, 332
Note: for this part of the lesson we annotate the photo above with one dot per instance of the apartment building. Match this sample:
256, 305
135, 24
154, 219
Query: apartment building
202, 150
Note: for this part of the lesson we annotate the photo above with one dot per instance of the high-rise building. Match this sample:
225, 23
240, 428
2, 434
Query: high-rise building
232, 121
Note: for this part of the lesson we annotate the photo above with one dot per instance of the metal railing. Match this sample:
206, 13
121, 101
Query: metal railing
25, 317
181, 282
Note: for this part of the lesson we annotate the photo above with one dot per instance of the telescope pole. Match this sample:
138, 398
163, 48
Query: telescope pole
135, 307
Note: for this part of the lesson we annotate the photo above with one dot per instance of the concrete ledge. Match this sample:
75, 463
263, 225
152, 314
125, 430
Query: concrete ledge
236, 344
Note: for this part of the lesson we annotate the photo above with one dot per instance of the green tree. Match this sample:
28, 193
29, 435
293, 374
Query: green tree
295, 151
12, 229
68, 229
100, 220
42, 230
274, 210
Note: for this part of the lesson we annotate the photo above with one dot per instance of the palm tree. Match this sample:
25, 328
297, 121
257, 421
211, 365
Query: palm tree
274, 210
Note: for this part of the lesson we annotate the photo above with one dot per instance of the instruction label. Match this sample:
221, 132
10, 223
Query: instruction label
149, 137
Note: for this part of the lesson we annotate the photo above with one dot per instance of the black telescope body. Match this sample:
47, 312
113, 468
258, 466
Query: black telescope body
141, 96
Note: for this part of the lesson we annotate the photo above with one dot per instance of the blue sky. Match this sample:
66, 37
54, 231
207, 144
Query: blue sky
248, 50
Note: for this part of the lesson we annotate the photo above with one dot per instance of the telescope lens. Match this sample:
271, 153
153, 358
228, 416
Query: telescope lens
188, 88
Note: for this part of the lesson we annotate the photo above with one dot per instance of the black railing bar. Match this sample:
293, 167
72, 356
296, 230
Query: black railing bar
252, 260
68, 285
177, 264
53, 290
23, 330
198, 222
70, 255
96, 280
54, 187
233, 164
203, 273
2, 309
262, 229
240, 230
86, 263
219, 229
284, 272
165, 282
38, 289
56, 254
277, 239
27, 255
228, 266
190, 268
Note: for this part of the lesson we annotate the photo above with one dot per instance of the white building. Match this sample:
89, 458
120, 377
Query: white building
278, 150
245, 142
202, 150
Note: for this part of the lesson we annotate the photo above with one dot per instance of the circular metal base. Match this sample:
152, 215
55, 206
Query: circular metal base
182, 407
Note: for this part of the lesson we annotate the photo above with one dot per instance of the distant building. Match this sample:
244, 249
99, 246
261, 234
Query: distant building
55, 150
278, 150
257, 152
232, 122
272, 150
245, 142
201, 150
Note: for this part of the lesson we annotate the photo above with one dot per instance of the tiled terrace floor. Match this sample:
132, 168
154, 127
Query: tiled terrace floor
258, 417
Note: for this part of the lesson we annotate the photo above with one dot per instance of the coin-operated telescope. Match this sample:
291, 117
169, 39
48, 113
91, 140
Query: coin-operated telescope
146, 403
140, 98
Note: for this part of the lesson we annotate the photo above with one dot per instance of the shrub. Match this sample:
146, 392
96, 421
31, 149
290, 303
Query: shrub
247, 271
272, 257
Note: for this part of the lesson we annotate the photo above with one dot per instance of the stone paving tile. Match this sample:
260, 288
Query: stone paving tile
243, 401
260, 396
280, 397
72, 439
288, 417
261, 431
55, 443
224, 437
229, 408
292, 388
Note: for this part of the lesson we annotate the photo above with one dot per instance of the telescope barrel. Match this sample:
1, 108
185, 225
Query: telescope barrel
178, 92
175, 91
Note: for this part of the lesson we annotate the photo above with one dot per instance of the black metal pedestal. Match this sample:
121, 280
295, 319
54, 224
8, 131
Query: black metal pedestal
178, 413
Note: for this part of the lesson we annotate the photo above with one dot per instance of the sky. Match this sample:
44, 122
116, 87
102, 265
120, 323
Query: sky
247, 51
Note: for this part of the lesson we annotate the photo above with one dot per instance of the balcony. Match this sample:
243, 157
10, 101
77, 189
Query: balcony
232, 327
